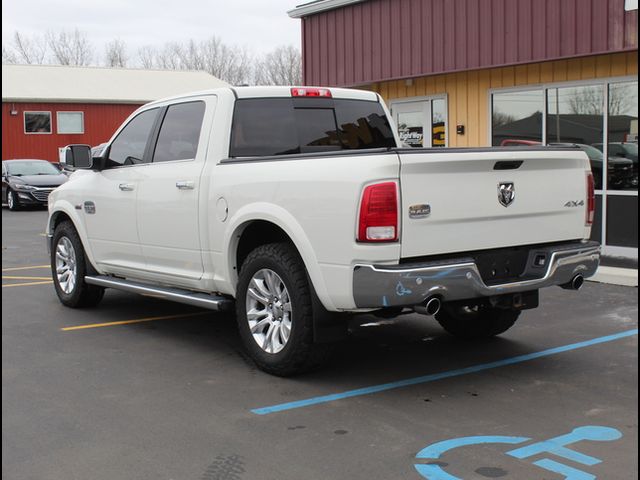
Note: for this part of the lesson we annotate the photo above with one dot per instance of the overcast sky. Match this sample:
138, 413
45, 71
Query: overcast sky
260, 25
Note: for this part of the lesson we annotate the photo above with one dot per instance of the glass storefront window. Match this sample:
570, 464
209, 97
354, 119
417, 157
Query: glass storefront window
438, 122
574, 114
516, 118
575, 117
622, 149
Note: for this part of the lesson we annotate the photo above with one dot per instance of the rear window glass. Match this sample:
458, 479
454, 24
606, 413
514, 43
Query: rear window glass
280, 126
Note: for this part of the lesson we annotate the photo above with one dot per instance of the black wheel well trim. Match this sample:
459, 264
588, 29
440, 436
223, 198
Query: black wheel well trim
327, 326
56, 219
255, 233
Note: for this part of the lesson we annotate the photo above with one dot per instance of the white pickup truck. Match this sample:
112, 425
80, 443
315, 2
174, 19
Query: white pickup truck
298, 207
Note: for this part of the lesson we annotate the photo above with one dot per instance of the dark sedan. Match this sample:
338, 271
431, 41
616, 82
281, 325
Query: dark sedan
29, 182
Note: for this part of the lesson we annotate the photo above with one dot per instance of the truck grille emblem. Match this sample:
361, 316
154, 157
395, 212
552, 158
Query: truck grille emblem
506, 193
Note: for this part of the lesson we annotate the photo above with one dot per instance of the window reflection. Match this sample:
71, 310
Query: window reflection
438, 122
516, 118
622, 149
575, 117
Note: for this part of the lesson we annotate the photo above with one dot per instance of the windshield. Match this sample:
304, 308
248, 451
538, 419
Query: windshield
31, 167
631, 149
592, 152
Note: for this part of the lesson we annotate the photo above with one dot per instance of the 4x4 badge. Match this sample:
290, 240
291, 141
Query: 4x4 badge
506, 193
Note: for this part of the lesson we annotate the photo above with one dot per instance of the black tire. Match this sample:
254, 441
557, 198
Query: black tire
473, 322
13, 201
300, 353
81, 294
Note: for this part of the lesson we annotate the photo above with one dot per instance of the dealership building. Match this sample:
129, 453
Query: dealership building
471, 73
45, 107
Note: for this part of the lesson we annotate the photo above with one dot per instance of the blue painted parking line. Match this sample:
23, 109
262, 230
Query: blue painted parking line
439, 376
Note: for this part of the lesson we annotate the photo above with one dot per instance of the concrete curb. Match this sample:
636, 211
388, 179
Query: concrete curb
616, 276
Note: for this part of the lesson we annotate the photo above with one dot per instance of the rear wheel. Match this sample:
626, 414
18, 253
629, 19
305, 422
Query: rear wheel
69, 267
12, 200
274, 311
476, 321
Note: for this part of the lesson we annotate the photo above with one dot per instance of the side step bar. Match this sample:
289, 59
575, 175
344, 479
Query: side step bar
204, 300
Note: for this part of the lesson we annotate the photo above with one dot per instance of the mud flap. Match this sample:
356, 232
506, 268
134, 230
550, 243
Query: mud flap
328, 327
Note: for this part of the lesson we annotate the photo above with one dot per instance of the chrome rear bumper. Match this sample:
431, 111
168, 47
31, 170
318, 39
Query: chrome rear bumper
377, 286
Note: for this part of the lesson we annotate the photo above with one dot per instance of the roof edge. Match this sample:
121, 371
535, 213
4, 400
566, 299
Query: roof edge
312, 8
114, 101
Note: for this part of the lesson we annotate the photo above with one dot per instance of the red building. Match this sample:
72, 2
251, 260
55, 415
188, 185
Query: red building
46, 107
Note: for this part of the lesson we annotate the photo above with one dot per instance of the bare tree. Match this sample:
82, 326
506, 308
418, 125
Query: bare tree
231, 64
8, 56
70, 48
116, 54
170, 57
498, 118
585, 101
147, 56
590, 100
28, 50
623, 99
283, 66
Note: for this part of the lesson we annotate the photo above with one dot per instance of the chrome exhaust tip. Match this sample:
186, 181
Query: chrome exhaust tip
575, 283
430, 307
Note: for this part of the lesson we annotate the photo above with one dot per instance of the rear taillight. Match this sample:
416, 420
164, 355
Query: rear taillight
378, 220
591, 200
310, 92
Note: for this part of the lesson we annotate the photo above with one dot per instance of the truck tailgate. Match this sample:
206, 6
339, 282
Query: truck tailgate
451, 200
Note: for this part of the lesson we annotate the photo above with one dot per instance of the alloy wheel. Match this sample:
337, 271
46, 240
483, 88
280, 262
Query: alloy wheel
268, 309
66, 268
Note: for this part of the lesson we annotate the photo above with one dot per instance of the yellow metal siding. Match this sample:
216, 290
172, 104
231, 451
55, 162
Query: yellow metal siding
467, 92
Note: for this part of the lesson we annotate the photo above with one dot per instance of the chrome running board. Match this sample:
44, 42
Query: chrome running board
204, 300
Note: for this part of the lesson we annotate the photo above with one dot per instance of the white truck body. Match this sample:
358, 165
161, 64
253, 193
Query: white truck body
179, 224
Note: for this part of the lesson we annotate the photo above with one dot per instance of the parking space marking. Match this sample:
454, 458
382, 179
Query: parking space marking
27, 284
128, 322
16, 277
439, 376
13, 269
562, 446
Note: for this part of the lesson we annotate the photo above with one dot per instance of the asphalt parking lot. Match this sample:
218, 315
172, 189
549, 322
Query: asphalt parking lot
146, 389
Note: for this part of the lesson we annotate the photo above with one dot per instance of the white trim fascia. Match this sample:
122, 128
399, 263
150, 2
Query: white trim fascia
318, 7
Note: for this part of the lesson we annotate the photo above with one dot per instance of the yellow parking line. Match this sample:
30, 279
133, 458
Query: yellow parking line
13, 269
26, 284
14, 277
128, 322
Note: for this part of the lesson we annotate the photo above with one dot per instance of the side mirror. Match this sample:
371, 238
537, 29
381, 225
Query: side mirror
78, 156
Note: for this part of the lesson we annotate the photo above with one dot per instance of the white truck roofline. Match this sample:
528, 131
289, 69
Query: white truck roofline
273, 92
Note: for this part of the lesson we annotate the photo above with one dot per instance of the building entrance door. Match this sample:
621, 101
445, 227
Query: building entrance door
421, 122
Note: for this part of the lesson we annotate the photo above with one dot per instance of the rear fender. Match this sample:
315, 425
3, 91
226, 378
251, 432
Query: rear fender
282, 218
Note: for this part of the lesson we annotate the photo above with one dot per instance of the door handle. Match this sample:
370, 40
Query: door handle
127, 187
185, 185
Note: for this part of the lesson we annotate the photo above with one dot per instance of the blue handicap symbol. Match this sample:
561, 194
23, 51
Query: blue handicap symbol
556, 446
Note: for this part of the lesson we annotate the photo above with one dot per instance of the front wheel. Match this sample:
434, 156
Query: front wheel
69, 267
477, 321
12, 201
274, 311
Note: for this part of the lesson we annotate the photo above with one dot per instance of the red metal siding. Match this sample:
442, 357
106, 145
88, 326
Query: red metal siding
100, 121
381, 40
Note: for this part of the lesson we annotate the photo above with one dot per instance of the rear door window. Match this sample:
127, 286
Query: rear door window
281, 126
180, 132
